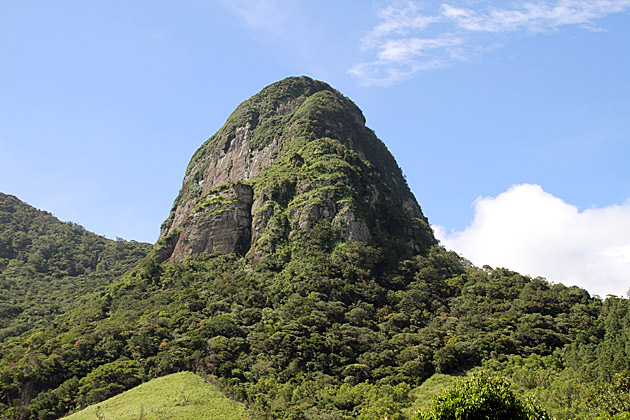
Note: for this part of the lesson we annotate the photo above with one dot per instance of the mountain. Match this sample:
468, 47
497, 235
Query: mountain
298, 273
296, 154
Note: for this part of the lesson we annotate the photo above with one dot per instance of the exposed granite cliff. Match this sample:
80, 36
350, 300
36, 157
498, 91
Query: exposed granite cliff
294, 156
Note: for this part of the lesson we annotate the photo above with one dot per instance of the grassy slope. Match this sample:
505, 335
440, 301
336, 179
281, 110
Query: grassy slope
424, 394
179, 396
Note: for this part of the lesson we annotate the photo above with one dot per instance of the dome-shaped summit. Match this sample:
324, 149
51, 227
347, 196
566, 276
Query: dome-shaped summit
294, 156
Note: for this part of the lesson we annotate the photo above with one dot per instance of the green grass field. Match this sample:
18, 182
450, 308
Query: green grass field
180, 396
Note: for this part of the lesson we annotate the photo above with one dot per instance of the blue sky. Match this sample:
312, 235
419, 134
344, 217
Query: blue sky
509, 119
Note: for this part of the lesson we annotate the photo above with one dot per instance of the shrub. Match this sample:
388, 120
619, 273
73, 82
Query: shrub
482, 397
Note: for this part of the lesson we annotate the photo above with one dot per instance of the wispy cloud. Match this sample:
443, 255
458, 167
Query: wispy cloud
529, 230
271, 16
410, 37
397, 21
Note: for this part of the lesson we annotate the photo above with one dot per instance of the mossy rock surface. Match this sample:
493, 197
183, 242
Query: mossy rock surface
304, 150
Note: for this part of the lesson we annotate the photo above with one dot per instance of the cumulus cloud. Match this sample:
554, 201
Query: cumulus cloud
530, 231
410, 37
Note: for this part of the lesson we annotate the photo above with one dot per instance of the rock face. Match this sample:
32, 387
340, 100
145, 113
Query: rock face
221, 222
293, 157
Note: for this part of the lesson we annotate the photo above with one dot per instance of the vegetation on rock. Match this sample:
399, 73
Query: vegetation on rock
341, 304
317, 162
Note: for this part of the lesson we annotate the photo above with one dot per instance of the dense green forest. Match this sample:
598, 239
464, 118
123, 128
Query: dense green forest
338, 333
309, 288
46, 265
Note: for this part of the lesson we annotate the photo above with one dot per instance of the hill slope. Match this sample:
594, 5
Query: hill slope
47, 265
179, 396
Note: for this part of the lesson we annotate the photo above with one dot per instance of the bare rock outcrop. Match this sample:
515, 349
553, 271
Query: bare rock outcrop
221, 222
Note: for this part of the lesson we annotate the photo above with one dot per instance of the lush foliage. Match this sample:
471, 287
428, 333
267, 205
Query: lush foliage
482, 397
306, 324
46, 265
612, 400
566, 378
333, 333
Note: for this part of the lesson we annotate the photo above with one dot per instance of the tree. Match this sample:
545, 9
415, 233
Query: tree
612, 400
482, 397
108, 380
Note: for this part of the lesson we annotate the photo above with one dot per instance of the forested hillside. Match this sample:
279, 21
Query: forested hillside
331, 335
308, 285
47, 265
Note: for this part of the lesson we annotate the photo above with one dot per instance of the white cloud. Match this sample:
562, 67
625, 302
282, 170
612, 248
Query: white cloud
397, 21
530, 231
474, 29
404, 49
533, 17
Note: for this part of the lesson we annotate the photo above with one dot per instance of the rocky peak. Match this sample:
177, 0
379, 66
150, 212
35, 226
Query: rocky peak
294, 156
